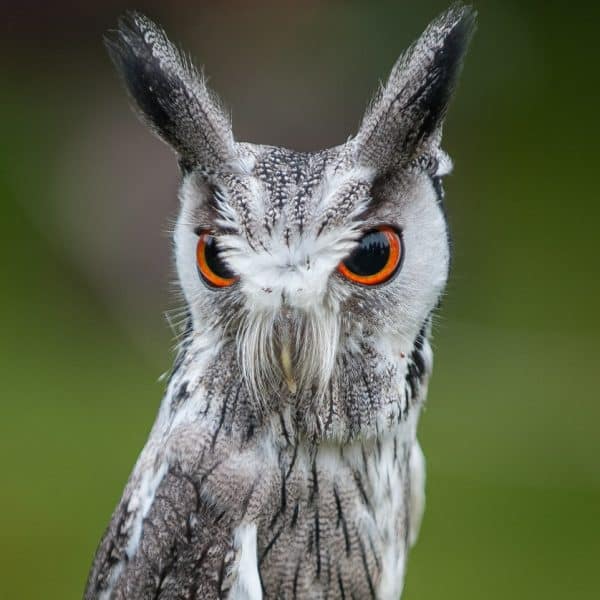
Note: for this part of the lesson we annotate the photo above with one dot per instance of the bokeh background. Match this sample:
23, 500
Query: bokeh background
87, 197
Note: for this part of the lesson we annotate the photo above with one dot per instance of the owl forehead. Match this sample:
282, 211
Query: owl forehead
289, 182
286, 195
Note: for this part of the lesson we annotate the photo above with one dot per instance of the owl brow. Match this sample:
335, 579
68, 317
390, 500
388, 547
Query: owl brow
375, 200
204, 217
216, 201
345, 206
209, 213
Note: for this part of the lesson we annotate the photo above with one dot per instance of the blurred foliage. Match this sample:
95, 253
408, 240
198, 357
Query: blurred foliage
511, 427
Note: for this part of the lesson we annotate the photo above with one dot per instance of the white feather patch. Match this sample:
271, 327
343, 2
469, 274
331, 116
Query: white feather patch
140, 503
417, 491
245, 575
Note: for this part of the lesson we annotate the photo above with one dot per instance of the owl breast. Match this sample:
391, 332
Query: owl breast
338, 524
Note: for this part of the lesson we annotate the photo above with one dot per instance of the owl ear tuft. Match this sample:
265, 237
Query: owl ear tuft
408, 112
170, 95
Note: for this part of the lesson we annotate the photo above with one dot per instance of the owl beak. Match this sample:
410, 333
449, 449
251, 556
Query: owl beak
286, 365
285, 352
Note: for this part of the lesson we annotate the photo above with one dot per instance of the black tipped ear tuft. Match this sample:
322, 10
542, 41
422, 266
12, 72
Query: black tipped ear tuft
408, 112
445, 69
170, 94
142, 72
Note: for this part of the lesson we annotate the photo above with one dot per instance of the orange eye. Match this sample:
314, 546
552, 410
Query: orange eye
211, 265
376, 259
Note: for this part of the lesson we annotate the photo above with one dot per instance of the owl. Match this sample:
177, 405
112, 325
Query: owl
284, 461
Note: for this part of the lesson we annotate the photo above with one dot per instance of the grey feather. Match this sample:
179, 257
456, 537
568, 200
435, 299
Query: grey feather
170, 94
409, 109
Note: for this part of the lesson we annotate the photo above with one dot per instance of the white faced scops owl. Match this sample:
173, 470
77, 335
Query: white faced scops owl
284, 461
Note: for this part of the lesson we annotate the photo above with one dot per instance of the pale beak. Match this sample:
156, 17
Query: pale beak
286, 365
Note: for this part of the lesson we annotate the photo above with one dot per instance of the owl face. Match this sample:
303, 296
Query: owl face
311, 251
298, 259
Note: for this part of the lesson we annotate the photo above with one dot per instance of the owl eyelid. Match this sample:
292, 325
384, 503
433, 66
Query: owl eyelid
204, 229
368, 227
215, 232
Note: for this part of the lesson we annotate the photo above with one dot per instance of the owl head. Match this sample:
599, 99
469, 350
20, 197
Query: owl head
310, 265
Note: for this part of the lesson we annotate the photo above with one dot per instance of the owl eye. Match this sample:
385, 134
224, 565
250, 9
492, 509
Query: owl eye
376, 258
211, 266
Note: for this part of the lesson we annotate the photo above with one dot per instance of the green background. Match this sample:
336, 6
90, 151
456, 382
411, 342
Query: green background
86, 197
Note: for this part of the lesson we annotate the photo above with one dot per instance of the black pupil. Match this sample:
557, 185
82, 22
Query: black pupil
213, 259
371, 255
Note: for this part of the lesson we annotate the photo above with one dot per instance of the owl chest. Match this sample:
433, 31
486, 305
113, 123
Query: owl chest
338, 526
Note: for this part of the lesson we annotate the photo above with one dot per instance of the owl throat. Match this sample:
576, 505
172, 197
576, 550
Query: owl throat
299, 381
